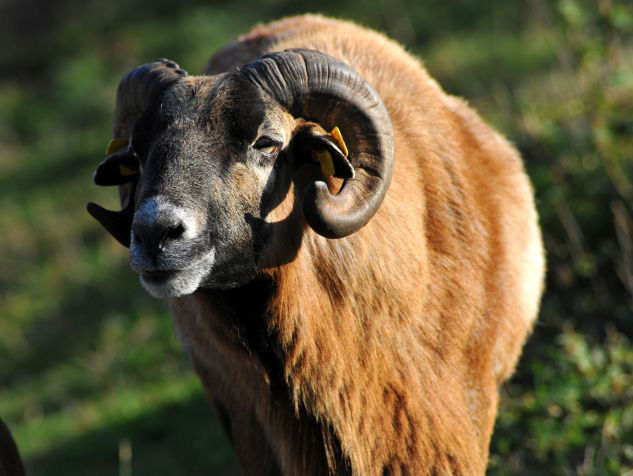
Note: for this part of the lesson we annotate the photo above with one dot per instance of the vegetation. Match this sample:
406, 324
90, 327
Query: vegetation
92, 377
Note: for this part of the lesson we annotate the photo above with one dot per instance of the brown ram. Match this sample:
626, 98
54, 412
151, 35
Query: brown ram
382, 351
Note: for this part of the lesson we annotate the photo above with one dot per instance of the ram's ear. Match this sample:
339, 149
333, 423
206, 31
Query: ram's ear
119, 167
312, 143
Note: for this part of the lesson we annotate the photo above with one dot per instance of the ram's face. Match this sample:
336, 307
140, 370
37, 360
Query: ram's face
210, 164
203, 161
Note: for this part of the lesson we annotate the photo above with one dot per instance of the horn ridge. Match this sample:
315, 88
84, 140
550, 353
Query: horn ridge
137, 88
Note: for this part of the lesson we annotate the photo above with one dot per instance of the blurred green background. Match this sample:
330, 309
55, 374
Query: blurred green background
92, 378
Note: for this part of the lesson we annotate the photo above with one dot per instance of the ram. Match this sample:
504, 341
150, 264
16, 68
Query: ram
351, 256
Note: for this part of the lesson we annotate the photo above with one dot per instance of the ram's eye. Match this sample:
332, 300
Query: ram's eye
267, 145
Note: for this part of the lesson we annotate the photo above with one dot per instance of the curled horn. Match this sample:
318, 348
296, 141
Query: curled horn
136, 90
134, 94
315, 86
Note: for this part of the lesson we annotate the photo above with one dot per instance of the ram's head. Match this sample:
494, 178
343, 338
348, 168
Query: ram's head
202, 161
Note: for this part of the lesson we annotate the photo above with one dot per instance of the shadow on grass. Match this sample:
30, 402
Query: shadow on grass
178, 439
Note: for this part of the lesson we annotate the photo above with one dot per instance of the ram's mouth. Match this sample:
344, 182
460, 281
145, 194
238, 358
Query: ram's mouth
169, 283
158, 276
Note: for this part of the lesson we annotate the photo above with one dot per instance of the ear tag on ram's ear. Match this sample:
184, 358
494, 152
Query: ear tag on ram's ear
115, 145
325, 159
333, 156
127, 171
338, 137
120, 165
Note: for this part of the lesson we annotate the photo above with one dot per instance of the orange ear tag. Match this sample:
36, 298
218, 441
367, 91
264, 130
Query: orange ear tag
114, 145
325, 159
338, 137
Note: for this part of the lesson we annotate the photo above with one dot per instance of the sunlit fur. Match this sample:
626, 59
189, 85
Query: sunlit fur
383, 352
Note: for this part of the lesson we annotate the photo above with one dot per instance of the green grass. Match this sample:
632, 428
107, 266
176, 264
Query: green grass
92, 377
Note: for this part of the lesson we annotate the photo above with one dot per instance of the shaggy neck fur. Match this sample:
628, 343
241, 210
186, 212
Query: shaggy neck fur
328, 364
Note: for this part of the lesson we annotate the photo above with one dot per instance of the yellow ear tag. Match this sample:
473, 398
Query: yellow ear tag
126, 171
325, 159
114, 145
338, 137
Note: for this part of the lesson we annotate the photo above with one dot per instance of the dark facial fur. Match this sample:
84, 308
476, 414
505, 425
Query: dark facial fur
208, 173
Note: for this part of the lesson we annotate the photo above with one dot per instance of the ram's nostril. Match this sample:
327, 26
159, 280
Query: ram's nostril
172, 233
175, 232
161, 227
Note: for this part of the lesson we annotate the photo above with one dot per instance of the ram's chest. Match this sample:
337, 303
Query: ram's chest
217, 350
243, 380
